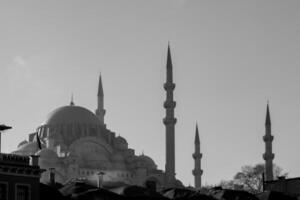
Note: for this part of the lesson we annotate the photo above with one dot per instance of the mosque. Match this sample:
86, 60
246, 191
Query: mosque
75, 143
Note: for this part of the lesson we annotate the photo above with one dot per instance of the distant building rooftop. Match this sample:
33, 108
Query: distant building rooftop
14, 159
290, 186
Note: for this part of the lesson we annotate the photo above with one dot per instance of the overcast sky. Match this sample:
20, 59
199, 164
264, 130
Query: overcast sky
229, 58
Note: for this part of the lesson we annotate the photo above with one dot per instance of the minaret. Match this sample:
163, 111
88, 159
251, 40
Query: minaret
170, 122
197, 172
268, 155
100, 112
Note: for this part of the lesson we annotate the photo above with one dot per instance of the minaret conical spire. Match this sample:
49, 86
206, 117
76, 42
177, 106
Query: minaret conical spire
268, 156
197, 155
170, 122
268, 118
100, 112
169, 66
197, 139
100, 87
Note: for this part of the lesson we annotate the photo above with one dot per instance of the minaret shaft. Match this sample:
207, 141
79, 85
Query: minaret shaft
268, 155
170, 122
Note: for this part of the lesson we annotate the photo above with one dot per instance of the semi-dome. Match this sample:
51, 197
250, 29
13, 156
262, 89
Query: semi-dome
22, 143
71, 114
29, 148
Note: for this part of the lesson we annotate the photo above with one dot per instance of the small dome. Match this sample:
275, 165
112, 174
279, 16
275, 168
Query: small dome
146, 161
22, 143
70, 115
121, 143
121, 140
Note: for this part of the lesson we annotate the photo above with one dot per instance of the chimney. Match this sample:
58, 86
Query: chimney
100, 179
34, 160
52, 176
281, 177
3, 128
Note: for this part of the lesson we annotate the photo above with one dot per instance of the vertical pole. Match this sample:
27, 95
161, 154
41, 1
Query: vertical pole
100, 179
0, 142
263, 181
52, 176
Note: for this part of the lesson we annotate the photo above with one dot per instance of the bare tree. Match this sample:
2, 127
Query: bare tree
250, 178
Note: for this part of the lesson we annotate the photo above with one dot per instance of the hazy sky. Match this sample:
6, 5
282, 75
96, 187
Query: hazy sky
229, 58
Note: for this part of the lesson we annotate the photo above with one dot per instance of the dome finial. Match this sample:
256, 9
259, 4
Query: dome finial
72, 100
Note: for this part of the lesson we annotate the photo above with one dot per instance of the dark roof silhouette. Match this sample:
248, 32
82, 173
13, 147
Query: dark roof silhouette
272, 195
226, 194
75, 187
95, 194
138, 192
79, 190
50, 193
184, 193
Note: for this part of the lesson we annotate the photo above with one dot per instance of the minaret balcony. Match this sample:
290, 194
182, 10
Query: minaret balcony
197, 172
197, 155
169, 120
169, 104
268, 138
169, 86
100, 112
268, 156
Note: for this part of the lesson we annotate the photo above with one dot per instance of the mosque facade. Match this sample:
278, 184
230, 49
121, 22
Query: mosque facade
76, 143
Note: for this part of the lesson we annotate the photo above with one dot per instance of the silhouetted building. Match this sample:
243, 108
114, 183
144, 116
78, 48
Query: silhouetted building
289, 186
19, 177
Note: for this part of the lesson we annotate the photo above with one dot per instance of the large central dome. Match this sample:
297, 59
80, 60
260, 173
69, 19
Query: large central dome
71, 115
69, 123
